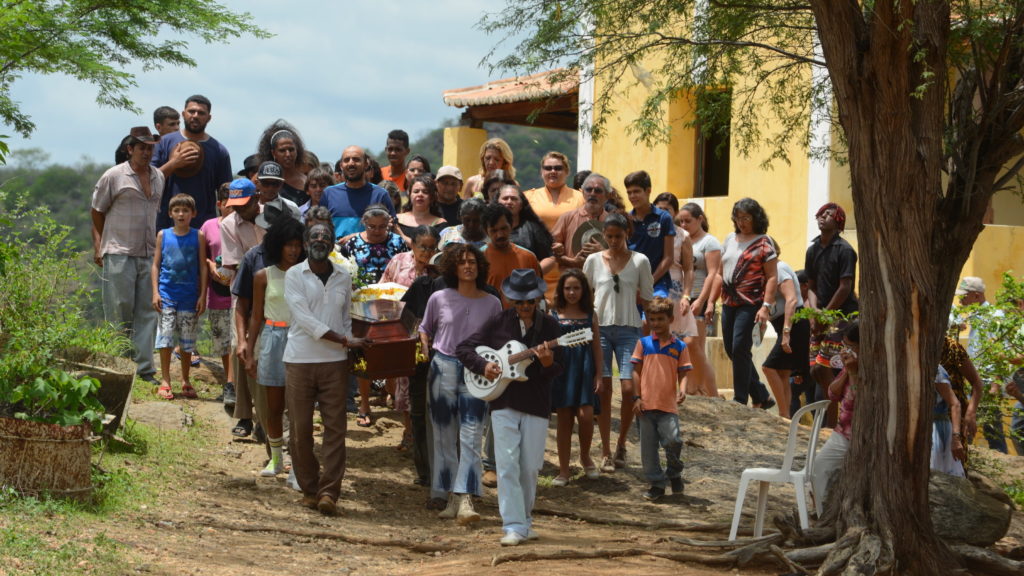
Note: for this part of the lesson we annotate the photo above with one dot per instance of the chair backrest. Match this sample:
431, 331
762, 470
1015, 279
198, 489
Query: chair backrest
818, 410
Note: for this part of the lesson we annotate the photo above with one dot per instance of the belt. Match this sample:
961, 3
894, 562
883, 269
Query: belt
277, 324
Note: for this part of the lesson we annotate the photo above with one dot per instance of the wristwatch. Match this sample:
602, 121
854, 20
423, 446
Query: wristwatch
787, 330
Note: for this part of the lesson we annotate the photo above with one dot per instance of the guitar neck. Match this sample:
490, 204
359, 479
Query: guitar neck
516, 358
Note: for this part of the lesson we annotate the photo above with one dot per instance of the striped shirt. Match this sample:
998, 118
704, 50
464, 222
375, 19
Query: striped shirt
130, 216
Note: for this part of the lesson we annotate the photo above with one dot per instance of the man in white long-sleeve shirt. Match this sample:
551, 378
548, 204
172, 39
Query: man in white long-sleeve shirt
319, 294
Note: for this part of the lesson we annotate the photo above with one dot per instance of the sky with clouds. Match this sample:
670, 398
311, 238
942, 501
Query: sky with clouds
342, 72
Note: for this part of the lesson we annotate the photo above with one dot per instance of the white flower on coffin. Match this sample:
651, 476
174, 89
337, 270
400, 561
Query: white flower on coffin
348, 264
381, 291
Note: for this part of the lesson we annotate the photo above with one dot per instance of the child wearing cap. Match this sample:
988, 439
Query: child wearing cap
179, 279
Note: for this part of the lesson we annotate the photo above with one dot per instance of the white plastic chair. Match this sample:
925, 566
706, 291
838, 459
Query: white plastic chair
800, 479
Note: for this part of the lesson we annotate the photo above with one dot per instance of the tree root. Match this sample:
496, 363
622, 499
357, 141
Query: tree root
985, 561
786, 561
669, 525
422, 547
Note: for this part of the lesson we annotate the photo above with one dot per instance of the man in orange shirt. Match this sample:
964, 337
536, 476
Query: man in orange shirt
502, 255
397, 149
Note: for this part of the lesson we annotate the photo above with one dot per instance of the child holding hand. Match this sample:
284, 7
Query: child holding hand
660, 365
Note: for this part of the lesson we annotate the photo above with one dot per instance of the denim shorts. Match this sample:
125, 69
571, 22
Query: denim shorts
270, 368
620, 340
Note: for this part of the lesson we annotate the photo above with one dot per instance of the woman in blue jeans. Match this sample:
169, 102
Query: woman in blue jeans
747, 282
621, 279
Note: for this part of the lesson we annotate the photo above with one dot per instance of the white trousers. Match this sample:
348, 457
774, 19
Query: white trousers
519, 454
827, 461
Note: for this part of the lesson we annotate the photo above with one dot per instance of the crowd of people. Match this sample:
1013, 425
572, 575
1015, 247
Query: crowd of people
180, 235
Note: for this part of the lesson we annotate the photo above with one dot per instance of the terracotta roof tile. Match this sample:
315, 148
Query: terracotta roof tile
516, 89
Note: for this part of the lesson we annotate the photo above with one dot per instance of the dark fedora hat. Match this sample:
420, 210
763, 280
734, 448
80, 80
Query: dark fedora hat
523, 284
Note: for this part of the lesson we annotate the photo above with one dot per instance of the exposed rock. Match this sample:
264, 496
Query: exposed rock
963, 512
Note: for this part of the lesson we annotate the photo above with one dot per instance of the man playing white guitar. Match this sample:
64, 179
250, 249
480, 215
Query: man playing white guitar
520, 414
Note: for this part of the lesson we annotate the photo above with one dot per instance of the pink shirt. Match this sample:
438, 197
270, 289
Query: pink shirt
211, 228
237, 236
844, 424
401, 269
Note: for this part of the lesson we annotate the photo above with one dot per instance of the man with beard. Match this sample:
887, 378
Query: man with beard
124, 206
595, 195
193, 163
319, 294
502, 254
348, 200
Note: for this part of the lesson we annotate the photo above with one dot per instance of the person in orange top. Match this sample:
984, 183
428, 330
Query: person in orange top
552, 200
502, 254
397, 149
660, 365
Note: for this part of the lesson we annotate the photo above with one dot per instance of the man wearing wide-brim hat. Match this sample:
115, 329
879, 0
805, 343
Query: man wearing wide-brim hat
519, 416
125, 203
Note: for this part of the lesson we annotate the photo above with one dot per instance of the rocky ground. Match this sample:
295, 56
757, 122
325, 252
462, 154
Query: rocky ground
224, 519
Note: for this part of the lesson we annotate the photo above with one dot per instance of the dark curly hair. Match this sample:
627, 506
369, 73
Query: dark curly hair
276, 131
282, 231
428, 181
757, 213
453, 254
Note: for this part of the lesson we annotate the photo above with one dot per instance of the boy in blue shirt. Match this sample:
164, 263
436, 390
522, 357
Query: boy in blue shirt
660, 365
179, 290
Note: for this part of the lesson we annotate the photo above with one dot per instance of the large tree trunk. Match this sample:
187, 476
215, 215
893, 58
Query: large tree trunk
910, 259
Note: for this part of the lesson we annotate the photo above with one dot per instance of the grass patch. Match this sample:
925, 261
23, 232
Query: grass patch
51, 536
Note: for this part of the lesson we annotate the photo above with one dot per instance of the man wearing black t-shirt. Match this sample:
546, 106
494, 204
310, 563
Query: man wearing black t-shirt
830, 265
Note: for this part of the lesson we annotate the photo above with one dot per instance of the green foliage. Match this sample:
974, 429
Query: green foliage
43, 296
824, 318
98, 41
56, 397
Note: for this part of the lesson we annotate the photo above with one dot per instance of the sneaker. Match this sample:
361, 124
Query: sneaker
591, 472
560, 481
512, 539
490, 479
274, 467
466, 515
654, 493
531, 534
229, 394
607, 465
620, 457
677, 485
293, 483
451, 509
327, 506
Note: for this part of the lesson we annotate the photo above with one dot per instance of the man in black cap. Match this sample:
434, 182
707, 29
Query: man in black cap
124, 206
519, 417
269, 180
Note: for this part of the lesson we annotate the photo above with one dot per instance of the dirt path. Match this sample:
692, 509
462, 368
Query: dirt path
224, 519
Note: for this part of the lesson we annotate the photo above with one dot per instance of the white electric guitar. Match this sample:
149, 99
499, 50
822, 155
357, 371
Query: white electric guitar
513, 358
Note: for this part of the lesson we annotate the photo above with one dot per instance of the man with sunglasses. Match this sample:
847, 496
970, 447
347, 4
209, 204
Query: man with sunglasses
595, 198
519, 416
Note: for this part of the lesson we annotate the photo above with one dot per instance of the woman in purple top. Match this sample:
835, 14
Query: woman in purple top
452, 314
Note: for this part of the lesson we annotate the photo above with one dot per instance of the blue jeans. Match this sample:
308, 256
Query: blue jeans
737, 337
620, 340
457, 418
660, 430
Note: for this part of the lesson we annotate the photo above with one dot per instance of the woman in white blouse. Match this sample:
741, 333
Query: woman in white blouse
622, 280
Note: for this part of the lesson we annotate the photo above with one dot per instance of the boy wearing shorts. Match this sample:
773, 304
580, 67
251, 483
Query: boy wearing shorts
179, 278
660, 365
218, 298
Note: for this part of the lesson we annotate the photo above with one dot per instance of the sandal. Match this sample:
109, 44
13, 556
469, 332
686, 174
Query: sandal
243, 429
364, 420
164, 391
405, 444
188, 391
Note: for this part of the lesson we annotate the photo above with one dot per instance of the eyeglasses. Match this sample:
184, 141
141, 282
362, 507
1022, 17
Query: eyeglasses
742, 218
377, 228
593, 190
553, 168
615, 282
524, 302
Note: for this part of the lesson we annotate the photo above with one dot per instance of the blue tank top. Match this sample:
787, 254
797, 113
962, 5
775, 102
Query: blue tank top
179, 270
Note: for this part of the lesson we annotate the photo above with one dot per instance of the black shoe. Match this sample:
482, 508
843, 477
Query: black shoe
677, 485
421, 481
243, 429
768, 404
149, 379
654, 493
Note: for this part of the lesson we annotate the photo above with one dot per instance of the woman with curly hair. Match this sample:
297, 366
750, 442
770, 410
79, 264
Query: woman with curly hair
281, 143
452, 314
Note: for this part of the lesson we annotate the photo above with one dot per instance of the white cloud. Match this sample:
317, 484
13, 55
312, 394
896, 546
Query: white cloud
342, 72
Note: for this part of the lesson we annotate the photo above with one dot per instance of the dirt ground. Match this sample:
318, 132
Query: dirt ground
226, 520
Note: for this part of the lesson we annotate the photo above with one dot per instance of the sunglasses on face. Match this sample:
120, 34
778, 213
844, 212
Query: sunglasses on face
524, 302
553, 168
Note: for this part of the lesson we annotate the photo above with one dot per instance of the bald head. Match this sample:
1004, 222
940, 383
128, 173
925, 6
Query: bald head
353, 166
